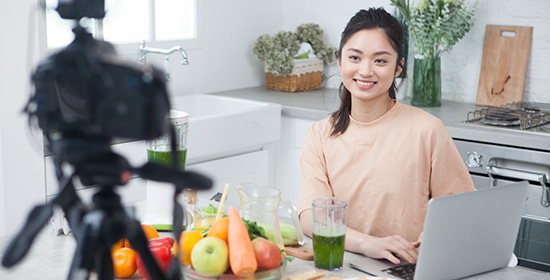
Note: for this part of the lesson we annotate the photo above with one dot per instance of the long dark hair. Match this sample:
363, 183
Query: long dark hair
367, 19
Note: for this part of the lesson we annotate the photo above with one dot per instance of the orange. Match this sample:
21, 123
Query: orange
122, 243
188, 239
124, 262
119, 244
150, 231
219, 228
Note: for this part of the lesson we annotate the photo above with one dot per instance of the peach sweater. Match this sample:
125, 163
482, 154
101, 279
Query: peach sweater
387, 170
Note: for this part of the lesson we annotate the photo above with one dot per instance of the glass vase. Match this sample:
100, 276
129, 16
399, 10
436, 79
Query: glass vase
426, 90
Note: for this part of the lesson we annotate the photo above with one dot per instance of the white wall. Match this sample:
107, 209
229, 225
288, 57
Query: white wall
2, 204
226, 60
22, 168
460, 66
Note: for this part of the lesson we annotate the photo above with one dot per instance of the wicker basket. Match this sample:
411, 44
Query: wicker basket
307, 74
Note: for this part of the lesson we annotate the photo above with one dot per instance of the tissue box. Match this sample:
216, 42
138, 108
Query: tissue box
307, 74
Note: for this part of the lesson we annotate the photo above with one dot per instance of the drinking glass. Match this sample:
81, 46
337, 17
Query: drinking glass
329, 231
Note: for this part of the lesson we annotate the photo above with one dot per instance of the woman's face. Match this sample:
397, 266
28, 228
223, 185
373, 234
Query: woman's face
368, 65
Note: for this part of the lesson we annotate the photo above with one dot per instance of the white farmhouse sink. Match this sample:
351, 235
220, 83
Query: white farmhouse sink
220, 126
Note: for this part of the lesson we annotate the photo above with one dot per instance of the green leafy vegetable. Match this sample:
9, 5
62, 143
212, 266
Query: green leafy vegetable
210, 209
254, 230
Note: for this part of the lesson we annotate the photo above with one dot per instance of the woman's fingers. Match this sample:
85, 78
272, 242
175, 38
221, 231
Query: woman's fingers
404, 249
392, 248
392, 258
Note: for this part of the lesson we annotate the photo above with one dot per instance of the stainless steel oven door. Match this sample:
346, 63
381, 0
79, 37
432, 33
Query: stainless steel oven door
533, 242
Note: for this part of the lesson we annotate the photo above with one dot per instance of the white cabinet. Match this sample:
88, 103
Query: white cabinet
288, 152
131, 194
249, 167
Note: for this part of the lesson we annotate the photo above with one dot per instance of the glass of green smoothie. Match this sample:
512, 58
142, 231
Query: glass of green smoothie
159, 194
159, 150
329, 231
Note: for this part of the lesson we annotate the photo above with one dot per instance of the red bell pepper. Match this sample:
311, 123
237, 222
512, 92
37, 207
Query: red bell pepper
161, 248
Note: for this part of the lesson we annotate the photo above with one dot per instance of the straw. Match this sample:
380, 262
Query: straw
222, 200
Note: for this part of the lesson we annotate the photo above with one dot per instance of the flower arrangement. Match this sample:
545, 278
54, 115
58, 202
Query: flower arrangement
279, 51
437, 25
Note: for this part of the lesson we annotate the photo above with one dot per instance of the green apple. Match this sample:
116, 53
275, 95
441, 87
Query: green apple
210, 255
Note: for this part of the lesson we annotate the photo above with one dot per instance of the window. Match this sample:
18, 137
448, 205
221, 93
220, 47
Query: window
127, 22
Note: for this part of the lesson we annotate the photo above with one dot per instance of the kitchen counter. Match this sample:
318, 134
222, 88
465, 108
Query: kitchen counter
507, 273
317, 104
50, 258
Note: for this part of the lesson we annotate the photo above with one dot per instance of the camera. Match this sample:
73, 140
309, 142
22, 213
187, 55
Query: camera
77, 9
86, 90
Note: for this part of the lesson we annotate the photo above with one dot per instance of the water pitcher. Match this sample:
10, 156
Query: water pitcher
261, 204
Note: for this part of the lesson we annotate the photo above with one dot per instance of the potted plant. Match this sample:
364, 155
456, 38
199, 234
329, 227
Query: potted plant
294, 60
436, 25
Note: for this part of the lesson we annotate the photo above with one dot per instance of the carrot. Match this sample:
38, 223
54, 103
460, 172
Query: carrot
241, 255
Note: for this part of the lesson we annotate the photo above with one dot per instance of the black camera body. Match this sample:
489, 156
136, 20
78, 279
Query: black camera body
77, 9
85, 90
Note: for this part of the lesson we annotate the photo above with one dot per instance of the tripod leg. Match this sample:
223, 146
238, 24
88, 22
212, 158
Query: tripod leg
139, 242
104, 265
83, 256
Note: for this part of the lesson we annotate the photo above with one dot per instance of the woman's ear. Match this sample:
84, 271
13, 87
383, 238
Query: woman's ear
399, 68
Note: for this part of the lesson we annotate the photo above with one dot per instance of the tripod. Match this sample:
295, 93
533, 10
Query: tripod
98, 227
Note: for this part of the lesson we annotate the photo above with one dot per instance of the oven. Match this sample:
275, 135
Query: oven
491, 164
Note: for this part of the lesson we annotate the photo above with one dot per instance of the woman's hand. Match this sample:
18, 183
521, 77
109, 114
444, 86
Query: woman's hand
390, 248
417, 243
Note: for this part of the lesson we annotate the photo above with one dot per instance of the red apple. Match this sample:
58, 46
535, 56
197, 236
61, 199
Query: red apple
268, 255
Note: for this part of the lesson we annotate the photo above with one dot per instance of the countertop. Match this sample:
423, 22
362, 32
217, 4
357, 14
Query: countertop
317, 104
51, 255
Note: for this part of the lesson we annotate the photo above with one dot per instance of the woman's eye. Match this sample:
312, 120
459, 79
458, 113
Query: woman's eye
354, 57
380, 61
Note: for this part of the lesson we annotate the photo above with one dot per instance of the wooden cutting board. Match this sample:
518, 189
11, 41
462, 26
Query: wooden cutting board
504, 64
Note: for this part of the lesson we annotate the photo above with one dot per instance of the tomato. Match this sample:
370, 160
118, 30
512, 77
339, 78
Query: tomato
161, 248
124, 262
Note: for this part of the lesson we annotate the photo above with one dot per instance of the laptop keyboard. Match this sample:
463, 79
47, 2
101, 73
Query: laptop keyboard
405, 271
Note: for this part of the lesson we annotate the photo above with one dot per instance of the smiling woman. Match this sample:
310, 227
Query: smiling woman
130, 21
386, 159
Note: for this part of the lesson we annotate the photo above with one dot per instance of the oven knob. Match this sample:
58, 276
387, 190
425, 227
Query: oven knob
473, 159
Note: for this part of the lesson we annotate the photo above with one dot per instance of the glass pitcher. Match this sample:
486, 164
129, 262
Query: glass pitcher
261, 204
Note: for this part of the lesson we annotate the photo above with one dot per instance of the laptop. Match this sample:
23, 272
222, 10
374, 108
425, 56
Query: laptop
464, 234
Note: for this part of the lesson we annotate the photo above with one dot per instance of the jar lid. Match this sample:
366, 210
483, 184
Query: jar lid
179, 117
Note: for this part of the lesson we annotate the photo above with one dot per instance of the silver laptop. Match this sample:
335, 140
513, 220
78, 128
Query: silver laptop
464, 234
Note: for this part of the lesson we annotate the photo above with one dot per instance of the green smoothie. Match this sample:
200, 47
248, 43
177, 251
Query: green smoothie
328, 251
165, 157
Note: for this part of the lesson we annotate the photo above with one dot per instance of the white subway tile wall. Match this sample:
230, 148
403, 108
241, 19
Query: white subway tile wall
460, 66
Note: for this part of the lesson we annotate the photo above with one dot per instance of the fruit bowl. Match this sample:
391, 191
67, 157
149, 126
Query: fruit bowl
272, 274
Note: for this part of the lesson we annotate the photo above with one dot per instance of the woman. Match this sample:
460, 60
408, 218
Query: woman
385, 158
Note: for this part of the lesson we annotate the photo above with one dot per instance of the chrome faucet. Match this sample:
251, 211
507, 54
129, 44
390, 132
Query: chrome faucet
145, 50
